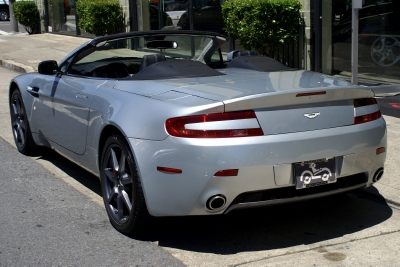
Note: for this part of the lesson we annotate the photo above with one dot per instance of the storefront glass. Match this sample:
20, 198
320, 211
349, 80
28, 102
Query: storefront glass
200, 15
61, 16
205, 15
378, 40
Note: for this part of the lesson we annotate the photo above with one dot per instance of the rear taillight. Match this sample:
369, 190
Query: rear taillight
217, 125
366, 110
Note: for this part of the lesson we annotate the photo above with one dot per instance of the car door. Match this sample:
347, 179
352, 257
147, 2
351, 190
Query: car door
63, 110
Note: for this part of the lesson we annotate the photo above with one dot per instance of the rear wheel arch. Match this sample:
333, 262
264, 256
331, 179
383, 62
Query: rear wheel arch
105, 133
113, 141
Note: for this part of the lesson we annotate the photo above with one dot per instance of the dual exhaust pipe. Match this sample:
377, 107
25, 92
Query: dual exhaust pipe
378, 175
216, 202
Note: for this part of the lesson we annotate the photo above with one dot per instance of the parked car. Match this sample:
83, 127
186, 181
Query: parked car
173, 129
207, 16
4, 10
154, 18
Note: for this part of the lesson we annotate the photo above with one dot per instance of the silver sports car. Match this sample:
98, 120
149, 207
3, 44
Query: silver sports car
174, 127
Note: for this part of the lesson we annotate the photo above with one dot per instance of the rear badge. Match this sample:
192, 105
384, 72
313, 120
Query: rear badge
312, 115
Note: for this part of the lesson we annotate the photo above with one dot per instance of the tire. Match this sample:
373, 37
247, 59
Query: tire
121, 188
20, 125
4, 15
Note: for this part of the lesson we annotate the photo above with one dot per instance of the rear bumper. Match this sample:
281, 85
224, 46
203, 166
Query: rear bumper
354, 148
290, 194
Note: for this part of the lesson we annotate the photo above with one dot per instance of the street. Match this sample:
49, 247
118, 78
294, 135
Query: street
5, 27
52, 214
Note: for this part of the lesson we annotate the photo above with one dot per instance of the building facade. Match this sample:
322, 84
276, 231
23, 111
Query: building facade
324, 43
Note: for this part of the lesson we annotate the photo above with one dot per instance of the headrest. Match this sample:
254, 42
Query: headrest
234, 54
148, 60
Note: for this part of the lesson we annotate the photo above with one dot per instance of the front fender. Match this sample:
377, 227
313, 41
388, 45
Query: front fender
22, 82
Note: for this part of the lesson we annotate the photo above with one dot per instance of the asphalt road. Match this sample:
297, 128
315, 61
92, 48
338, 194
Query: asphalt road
5, 26
45, 222
51, 214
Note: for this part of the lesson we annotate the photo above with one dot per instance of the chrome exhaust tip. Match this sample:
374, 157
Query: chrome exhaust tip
216, 202
378, 175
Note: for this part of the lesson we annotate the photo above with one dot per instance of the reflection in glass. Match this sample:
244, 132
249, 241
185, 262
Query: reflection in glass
378, 42
156, 13
207, 16
61, 16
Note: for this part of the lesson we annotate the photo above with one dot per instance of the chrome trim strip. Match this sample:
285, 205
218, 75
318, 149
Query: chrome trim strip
289, 200
224, 125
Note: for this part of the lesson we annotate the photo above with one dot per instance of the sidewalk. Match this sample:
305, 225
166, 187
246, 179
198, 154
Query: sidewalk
22, 53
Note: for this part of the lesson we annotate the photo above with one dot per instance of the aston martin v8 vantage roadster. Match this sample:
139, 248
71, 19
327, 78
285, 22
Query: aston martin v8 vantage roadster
172, 127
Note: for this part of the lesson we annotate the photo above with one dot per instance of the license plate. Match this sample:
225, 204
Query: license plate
314, 173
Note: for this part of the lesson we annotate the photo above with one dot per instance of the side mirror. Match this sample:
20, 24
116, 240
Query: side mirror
48, 67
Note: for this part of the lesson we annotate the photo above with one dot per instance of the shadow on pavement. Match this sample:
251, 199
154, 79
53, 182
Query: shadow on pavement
82, 176
390, 106
273, 227
257, 229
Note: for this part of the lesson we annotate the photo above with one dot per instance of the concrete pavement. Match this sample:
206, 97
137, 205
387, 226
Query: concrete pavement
23, 52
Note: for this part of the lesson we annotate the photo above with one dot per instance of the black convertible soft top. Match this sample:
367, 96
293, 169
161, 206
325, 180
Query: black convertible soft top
175, 69
257, 63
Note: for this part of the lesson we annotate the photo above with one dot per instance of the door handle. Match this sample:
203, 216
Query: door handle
33, 90
80, 96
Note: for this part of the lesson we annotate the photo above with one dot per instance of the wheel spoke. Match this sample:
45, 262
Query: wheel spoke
113, 195
21, 133
127, 202
383, 42
120, 206
15, 131
15, 109
18, 105
111, 176
114, 160
15, 124
122, 162
394, 44
382, 59
22, 124
126, 179
377, 51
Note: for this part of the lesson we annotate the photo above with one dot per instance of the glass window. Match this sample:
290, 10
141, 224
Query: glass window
378, 40
127, 54
207, 16
61, 16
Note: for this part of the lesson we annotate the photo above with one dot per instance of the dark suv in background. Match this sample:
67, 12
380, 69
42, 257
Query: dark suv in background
4, 10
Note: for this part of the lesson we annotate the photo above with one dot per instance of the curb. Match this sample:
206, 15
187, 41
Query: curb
15, 66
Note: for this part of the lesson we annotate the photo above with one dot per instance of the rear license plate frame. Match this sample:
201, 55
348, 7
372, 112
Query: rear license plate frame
315, 173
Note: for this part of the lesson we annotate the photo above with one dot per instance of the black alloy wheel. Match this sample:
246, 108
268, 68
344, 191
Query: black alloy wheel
4, 15
122, 191
20, 126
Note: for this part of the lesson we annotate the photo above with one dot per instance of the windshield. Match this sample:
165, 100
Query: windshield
124, 57
187, 47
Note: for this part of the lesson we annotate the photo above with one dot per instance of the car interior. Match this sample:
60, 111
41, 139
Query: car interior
164, 58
